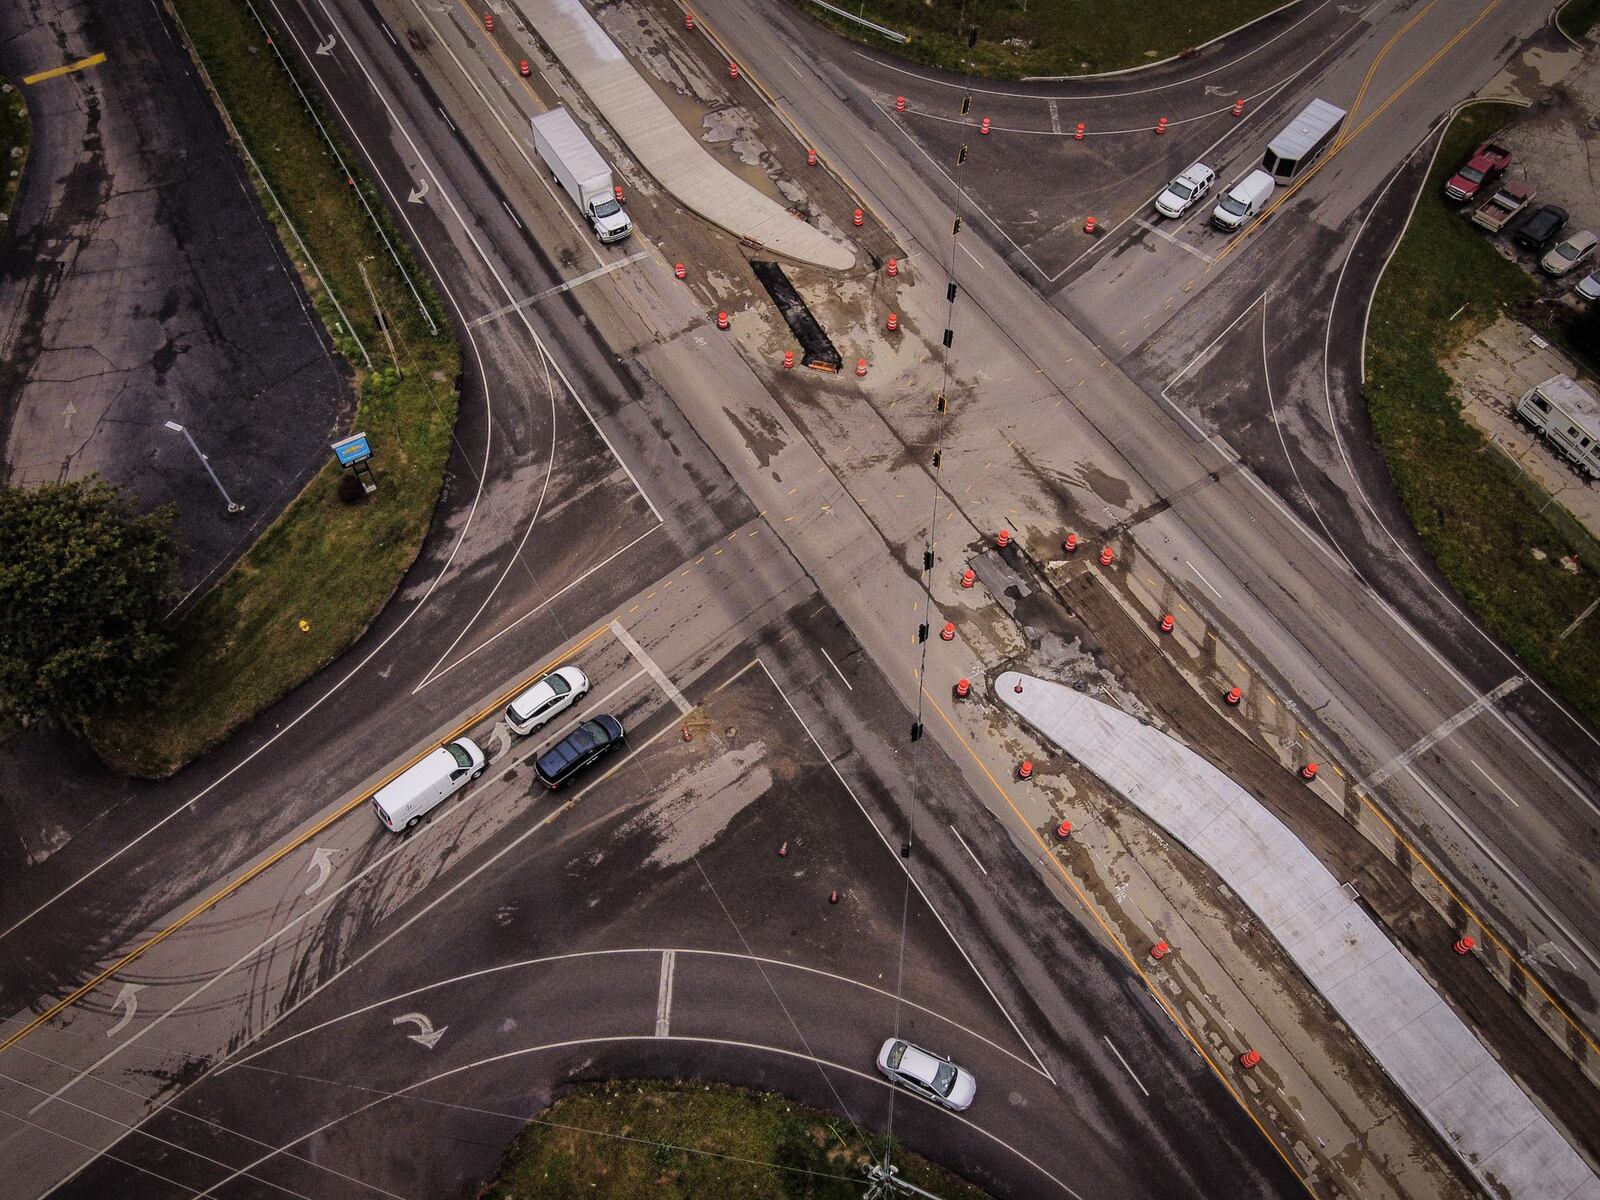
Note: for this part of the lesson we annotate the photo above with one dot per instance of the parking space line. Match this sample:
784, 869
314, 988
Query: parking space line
1125, 1065
968, 849
669, 960
649, 664
1181, 245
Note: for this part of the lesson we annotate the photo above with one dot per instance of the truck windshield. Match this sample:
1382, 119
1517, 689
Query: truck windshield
607, 208
1234, 207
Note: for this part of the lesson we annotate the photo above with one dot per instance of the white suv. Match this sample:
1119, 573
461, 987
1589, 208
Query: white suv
1187, 190
549, 696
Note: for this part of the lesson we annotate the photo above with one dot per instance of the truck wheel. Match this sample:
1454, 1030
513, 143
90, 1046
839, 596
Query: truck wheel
478, 772
412, 824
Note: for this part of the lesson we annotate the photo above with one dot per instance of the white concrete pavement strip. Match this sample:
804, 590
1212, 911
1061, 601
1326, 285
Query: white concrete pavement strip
665, 148
1501, 1135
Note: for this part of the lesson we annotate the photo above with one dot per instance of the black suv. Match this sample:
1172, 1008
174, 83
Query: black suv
1538, 229
591, 740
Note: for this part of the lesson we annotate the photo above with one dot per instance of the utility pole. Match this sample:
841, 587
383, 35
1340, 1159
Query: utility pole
383, 322
886, 1181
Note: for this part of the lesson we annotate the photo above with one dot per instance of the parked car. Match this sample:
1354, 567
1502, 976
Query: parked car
405, 800
1570, 253
1589, 286
1187, 190
590, 741
926, 1074
1486, 164
547, 697
1537, 231
1496, 212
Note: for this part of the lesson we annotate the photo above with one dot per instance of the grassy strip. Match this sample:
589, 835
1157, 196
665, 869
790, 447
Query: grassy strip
1479, 521
1578, 17
1043, 37
15, 131
331, 559
621, 1141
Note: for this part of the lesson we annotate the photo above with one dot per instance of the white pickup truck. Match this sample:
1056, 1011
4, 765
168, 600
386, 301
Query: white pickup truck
581, 172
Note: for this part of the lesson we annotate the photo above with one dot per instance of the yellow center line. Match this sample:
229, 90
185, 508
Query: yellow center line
276, 856
1332, 153
94, 60
1355, 106
1122, 947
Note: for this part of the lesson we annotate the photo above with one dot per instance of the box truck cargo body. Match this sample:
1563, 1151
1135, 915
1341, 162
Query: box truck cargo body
581, 172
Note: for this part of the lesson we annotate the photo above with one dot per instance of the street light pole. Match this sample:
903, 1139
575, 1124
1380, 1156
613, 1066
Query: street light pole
206, 463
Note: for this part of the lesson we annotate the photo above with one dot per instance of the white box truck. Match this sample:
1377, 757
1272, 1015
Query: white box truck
581, 172
1568, 417
1302, 140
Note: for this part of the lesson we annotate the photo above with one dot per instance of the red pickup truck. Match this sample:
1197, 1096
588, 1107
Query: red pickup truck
1485, 166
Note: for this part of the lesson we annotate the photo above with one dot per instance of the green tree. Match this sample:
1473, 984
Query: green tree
84, 580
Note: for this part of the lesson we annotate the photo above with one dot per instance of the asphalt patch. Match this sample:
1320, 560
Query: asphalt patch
820, 353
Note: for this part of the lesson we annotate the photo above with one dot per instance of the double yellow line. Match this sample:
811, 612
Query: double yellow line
1346, 138
278, 855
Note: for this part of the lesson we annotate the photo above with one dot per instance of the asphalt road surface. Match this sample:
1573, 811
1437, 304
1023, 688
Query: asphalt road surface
142, 283
626, 490
1227, 395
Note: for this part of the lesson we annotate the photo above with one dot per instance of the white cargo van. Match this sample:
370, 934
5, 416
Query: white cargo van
1248, 197
421, 788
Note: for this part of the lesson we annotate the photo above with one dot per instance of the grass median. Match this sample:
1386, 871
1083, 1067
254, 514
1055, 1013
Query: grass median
1577, 17
1497, 542
15, 131
332, 559
659, 1140
1016, 38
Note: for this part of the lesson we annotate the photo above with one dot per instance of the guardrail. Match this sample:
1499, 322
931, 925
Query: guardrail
891, 34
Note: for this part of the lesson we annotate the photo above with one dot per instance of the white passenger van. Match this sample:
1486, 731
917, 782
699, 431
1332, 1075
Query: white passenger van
421, 788
1248, 197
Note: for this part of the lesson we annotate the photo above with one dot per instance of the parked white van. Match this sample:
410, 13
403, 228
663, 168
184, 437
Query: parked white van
421, 788
1248, 197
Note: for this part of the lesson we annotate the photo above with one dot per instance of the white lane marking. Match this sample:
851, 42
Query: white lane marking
511, 214
1209, 347
442, 113
849, 791
875, 154
1185, 81
972, 256
1055, 116
385, 1097
441, 282
1202, 578
388, 35
1493, 784
573, 955
438, 674
1441, 731
1178, 242
968, 849
835, 667
649, 664
471, 235
669, 960
528, 301
1125, 1065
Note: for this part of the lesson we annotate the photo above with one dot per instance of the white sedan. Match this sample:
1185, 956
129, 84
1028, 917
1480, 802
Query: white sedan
548, 697
925, 1073
1188, 189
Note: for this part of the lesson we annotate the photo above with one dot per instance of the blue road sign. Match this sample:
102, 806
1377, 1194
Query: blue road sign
352, 450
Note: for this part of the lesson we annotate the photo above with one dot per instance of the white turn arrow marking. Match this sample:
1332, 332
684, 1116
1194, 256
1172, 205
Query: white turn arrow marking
326, 47
417, 193
426, 1034
128, 1001
322, 863
67, 414
502, 739
1216, 91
